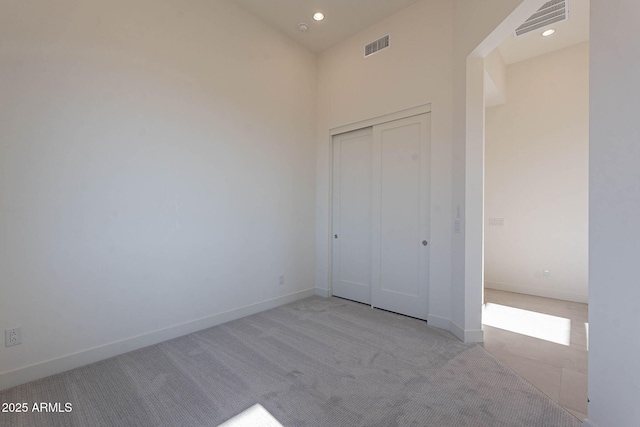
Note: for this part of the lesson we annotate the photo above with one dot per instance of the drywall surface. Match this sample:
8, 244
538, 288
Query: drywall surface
415, 70
614, 203
426, 64
478, 29
157, 167
537, 178
495, 79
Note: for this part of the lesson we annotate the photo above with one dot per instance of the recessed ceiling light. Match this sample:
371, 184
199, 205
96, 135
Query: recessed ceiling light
548, 32
303, 28
318, 16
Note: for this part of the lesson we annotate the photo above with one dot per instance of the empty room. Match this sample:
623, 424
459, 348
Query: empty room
535, 318
271, 213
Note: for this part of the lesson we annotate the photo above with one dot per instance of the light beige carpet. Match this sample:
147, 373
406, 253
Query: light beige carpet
316, 362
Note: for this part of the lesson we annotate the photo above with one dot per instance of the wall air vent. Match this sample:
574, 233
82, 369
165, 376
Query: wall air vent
550, 12
376, 46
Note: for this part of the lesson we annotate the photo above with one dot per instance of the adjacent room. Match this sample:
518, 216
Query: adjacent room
536, 201
223, 210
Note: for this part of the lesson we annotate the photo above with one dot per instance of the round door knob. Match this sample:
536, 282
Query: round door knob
425, 243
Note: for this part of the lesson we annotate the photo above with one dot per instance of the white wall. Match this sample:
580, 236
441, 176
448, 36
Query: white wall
125, 203
495, 79
614, 196
157, 170
478, 29
537, 178
425, 64
414, 71
614, 204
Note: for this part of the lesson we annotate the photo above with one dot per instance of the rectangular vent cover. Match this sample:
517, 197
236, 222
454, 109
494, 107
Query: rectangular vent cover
550, 12
377, 45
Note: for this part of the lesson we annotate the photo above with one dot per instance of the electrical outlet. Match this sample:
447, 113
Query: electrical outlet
546, 274
12, 337
281, 280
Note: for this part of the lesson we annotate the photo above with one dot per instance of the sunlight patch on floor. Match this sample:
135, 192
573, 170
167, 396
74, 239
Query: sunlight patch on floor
537, 325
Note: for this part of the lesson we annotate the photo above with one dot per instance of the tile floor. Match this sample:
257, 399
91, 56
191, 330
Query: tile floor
558, 370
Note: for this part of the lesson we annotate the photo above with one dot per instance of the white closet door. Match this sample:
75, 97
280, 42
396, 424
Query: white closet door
352, 181
400, 216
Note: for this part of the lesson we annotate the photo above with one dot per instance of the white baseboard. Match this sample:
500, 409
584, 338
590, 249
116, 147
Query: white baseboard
539, 292
473, 336
456, 330
322, 292
439, 322
75, 360
587, 423
467, 336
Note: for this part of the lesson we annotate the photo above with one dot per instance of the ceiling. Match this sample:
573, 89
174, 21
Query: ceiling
572, 31
343, 18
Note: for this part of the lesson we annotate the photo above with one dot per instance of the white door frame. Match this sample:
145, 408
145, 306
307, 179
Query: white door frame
410, 112
474, 168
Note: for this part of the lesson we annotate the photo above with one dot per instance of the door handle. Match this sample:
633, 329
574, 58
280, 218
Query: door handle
425, 243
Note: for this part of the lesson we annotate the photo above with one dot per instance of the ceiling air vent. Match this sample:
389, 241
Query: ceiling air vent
377, 45
552, 11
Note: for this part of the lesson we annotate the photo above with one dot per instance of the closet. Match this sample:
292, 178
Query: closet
380, 218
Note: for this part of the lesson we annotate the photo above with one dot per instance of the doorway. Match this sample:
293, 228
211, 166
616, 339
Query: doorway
535, 241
